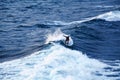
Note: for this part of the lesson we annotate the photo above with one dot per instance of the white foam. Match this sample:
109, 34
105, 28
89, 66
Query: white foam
73, 22
55, 63
101, 6
55, 36
58, 35
108, 16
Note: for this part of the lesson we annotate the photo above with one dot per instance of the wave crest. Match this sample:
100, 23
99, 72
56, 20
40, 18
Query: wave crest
56, 63
108, 16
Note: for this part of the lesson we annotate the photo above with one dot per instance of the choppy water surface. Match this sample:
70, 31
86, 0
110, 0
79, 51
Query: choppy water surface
26, 26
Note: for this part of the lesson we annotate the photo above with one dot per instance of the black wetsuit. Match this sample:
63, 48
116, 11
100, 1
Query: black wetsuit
67, 38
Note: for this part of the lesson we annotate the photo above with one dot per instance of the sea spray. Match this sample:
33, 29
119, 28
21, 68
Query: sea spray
55, 36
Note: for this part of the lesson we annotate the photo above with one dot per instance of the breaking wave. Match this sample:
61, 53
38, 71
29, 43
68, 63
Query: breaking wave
56, 63
108, 16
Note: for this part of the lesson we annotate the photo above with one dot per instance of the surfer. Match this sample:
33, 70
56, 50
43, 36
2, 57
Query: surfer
67, 39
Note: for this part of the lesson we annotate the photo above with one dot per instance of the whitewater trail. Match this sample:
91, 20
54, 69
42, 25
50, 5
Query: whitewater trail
55, 63
108, 16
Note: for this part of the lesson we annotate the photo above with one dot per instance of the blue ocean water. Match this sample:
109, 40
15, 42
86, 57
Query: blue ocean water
26, 26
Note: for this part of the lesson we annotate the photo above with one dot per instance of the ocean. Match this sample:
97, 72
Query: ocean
27, 28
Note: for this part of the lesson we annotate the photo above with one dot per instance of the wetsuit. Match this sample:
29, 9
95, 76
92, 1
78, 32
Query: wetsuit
67, 40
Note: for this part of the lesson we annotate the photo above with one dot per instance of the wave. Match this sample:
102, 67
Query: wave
56, 63
108, 16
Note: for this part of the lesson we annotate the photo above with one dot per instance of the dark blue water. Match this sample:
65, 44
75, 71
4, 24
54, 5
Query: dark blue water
24, 25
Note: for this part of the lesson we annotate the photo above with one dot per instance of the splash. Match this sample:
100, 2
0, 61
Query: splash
56, 63
56, 36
